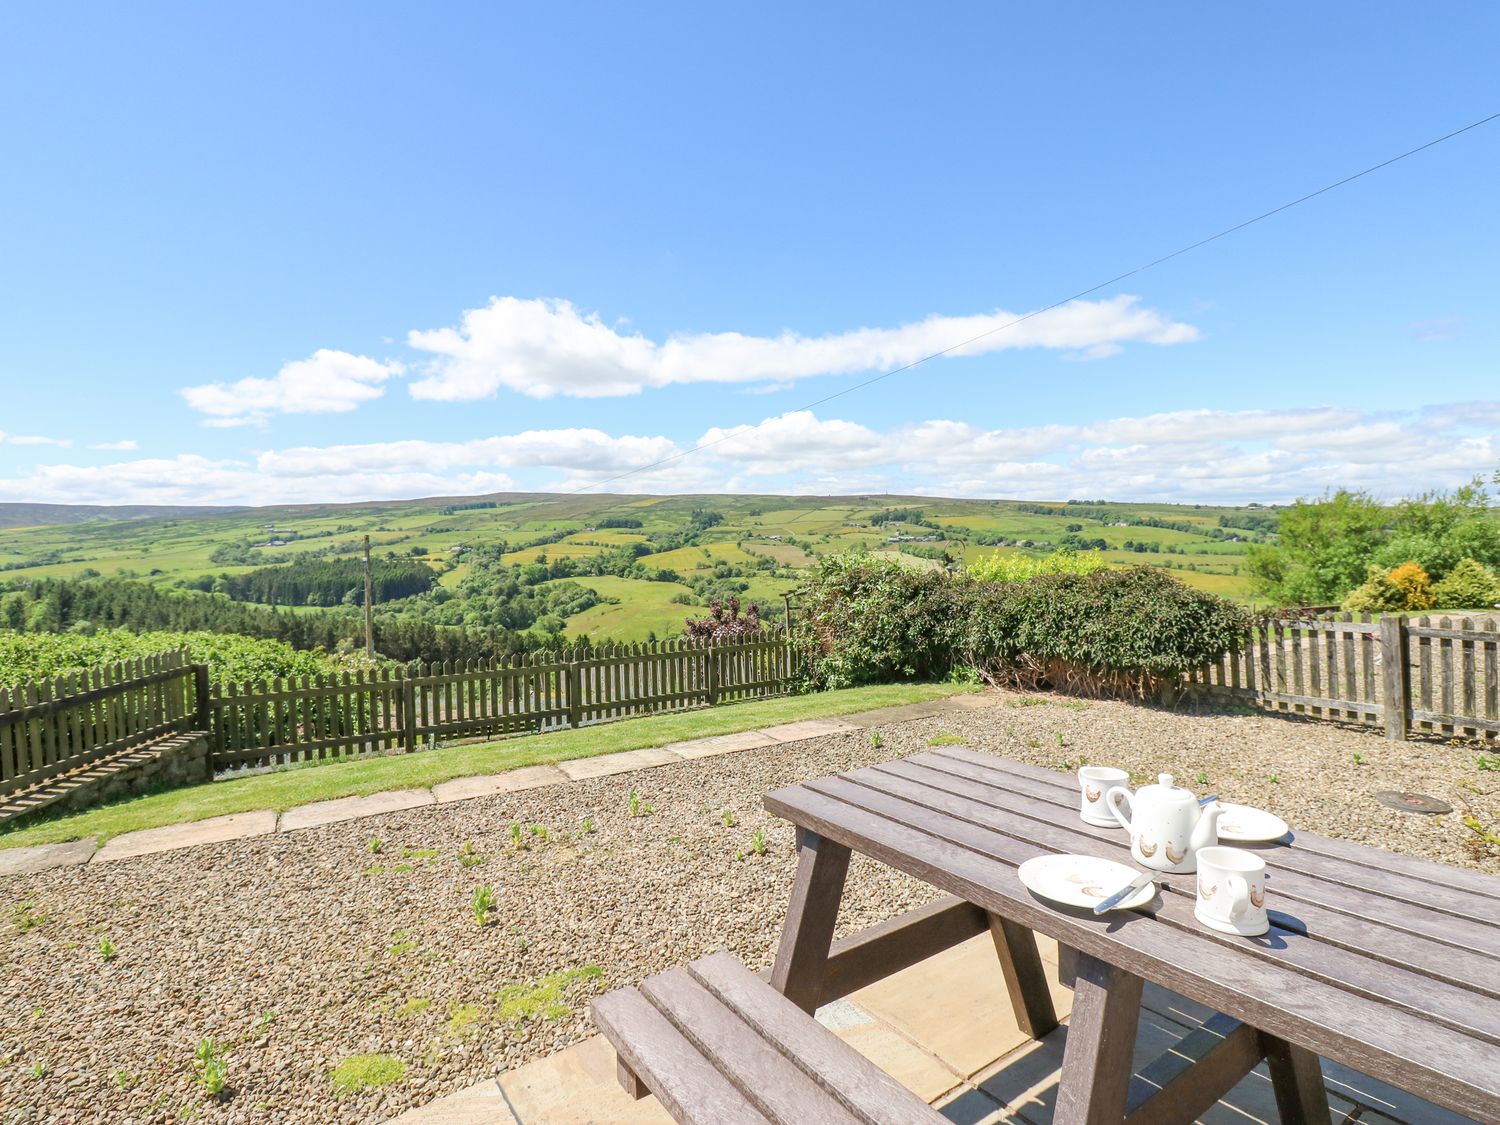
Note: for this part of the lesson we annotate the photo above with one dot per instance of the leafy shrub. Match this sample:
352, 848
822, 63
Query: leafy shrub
230, 658
1469, 585
867, 620
1124, 631
1113, 632
1402, 589
1000, 567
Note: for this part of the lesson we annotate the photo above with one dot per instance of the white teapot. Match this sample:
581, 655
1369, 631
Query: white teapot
1167, 826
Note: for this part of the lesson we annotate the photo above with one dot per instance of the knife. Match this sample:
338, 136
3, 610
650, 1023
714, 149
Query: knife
1141, 880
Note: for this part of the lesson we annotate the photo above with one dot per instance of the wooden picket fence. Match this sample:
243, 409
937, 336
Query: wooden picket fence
1434, 675
51, 726
310, 718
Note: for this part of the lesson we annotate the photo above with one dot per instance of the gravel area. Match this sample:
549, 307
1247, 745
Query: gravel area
299, 951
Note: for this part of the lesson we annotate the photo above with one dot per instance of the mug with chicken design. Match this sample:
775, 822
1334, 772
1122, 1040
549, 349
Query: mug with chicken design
1232, 891
1095, 782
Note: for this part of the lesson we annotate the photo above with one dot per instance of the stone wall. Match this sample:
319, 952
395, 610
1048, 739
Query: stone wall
179, 760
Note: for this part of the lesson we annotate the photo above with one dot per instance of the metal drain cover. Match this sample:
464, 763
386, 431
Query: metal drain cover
1413, 802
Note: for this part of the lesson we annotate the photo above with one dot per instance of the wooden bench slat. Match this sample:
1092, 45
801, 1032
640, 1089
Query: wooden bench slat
838, 1067
1435, 1062
766, 1077
1286, 950
686, 1083
1457, 950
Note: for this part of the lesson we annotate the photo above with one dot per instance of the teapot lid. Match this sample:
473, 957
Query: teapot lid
1165, 787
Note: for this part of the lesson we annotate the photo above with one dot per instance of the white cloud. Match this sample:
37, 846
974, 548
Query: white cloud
124, 446
35, 439
1188, 456
327, 382
545, 347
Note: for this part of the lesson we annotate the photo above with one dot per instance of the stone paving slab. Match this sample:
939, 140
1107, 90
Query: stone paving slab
513, 781
352, 808
956, 1008
479, 1104
44, 857
807, 728
602, 765
576, 1086
721, 744
214, 830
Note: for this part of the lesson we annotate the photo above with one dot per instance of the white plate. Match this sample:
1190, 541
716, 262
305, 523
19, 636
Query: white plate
1082, 880
1249, 824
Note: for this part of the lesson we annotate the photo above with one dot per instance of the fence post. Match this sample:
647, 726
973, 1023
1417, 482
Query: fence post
408, 714
1395, 680
200, 697
713, 674
575, 694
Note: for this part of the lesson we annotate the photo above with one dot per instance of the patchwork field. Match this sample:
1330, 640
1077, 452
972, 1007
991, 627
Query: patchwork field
767, 541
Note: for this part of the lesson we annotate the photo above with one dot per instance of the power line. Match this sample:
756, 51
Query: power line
1048, 308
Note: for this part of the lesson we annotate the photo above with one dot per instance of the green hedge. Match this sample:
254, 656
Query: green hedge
1118, 632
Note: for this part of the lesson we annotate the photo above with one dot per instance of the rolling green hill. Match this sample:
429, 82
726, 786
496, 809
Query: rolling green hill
758, 547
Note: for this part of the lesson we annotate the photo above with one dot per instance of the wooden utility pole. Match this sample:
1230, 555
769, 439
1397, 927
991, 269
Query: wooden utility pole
369, 621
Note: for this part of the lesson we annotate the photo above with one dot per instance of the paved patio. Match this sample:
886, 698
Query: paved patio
945, 1029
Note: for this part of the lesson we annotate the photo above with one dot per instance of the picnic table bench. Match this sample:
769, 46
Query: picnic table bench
1383, 962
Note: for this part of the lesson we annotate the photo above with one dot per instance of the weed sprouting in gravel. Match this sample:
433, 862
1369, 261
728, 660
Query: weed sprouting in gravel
212, 1067
540, 832
758, 842
875, 740
461, 1017
636, 807
728, 818
542, 999
1061, 741
266, 1017
1359, 759
521, 942
944, 738
468, 857
1200, 778
1490, 836
414, 1006
25, 916
1274, 778
401, 944
1487, 762
108, 951
366, 1072
124, 1080
517, 838
482, 903
587, 827
375, 845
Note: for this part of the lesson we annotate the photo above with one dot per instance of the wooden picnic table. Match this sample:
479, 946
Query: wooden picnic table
1382, 962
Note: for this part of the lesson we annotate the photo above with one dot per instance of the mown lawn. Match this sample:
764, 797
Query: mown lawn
299, 786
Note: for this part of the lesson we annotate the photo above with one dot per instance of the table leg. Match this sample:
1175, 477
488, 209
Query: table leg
1097, 1060
810, 916
1297, 1078
1025, 979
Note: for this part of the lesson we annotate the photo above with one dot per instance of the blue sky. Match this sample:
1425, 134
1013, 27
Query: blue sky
318, 252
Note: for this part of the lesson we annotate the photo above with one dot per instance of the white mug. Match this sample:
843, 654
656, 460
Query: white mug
1094, 782
1232, 891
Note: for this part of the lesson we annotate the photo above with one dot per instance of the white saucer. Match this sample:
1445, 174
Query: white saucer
1082, 880
1248, 824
